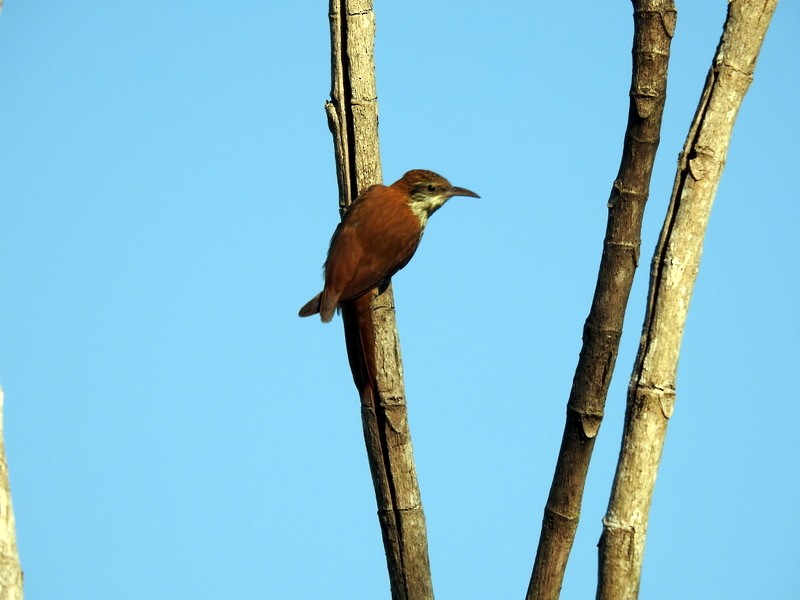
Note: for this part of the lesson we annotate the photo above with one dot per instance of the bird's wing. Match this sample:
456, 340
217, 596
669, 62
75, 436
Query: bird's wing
380, 256
370, 245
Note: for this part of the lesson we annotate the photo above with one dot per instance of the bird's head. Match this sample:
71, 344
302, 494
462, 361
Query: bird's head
428, 191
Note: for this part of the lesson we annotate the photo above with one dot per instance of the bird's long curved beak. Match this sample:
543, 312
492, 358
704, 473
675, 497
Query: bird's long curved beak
459, 191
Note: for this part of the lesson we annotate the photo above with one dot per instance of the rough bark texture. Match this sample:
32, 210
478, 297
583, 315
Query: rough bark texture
10, 570
654, 22
651, 394
370, 330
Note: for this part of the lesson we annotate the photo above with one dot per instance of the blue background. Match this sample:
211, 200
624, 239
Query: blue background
168, 191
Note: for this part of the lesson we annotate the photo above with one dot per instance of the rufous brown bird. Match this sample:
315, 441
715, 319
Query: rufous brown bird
378, 236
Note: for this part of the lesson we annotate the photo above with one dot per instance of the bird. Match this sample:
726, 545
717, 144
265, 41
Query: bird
378, 235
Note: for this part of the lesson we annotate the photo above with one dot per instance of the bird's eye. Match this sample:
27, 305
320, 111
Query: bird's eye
431, 187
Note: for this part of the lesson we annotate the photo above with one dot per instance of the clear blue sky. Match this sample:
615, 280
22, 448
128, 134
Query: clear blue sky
168, 192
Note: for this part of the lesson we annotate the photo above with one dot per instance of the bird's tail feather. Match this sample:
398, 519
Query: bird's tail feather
312, 306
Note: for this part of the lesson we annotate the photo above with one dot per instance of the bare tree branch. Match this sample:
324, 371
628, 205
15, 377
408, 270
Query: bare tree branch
651, 393
370, 329
654, 22
10, 570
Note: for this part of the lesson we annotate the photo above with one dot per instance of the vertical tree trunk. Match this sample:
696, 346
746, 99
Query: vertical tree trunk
654, 24
369, 322
651, 393
10, 570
